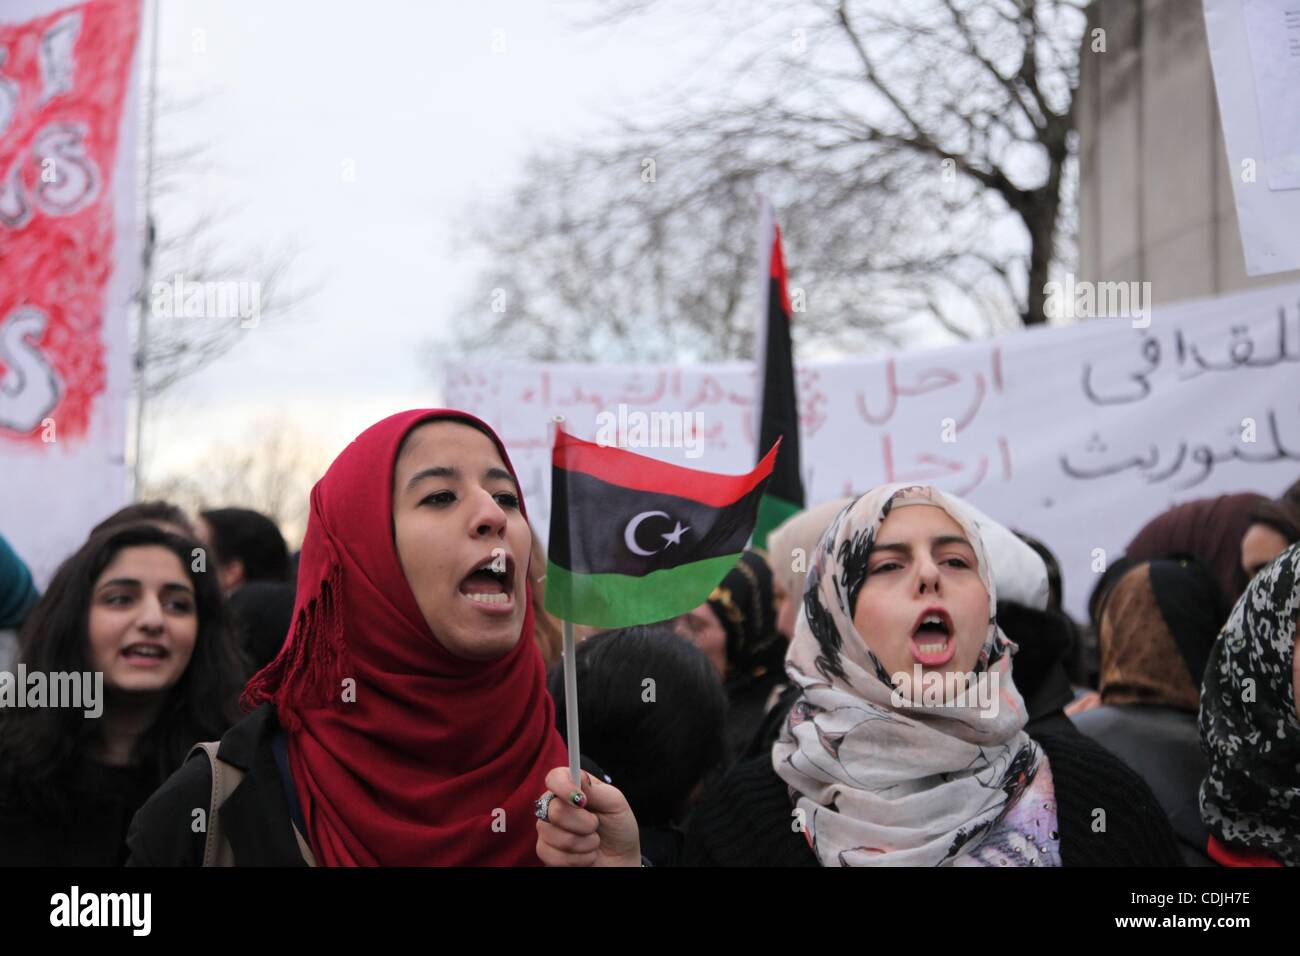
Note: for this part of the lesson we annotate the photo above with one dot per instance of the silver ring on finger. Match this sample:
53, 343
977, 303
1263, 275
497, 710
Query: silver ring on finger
542, 806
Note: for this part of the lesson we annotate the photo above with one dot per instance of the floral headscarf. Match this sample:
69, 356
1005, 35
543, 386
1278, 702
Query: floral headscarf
880, 780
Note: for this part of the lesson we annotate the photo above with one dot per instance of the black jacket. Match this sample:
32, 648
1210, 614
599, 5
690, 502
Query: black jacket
747, 819
90, 830
1163, 746
255, 819
746, 699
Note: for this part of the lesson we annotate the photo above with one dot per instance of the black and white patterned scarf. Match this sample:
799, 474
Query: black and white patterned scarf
1249, 727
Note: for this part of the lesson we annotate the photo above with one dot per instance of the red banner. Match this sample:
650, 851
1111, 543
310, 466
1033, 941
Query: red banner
63, 81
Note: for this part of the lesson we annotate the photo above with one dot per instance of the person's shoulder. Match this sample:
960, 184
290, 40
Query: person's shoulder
170, 829
747, 819
1072, 753
1097, 719
1107, 815
751, 785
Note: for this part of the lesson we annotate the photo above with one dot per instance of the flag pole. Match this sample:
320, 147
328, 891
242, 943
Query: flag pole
570, 682
766, 229
571, 704
142, 294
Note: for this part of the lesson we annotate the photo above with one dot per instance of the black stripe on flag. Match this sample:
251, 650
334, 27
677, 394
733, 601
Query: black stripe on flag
609, 525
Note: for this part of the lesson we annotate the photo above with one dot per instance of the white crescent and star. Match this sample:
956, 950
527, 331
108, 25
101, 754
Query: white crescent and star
672, 537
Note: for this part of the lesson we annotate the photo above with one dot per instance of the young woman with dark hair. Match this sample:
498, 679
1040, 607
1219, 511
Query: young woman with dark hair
130, 606
162, 514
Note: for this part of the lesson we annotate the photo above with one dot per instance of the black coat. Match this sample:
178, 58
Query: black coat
746, 700
255, 819
90, 830
1163, 746
747, 819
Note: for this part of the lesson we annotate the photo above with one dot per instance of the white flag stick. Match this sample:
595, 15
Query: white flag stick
570, 678
571, 704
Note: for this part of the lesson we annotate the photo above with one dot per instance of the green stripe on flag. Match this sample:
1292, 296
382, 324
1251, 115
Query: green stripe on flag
772, 512
622, 600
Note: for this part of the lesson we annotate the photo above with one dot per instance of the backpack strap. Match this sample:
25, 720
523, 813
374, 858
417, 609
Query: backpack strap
303, 848
225, 778
217, 850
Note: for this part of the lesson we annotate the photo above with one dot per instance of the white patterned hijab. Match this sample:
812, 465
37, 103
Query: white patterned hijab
880, 780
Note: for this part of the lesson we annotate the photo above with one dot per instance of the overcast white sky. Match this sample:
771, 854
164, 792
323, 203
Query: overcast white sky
433, 119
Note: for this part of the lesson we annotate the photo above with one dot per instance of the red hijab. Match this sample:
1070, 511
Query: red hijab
415, 766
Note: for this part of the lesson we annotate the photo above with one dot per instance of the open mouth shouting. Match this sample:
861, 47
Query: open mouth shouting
934, 640
489, 585
145, 654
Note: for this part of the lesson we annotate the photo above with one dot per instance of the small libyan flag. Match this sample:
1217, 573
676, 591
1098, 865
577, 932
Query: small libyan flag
634, 540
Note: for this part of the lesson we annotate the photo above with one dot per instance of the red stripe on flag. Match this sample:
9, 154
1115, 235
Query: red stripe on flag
627, 470
778, 271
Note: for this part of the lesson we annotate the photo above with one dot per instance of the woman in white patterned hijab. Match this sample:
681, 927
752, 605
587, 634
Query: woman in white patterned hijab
907, 746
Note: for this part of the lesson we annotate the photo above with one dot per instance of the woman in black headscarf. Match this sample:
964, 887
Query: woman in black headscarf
1159, 622
1250, 725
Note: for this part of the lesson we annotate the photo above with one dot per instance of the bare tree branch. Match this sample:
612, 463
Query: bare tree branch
895, 142
192, 249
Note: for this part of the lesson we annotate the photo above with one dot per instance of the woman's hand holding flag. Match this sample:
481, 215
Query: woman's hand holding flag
599, 831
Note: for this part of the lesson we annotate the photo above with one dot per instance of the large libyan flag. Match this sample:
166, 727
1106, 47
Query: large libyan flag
779, 418
635, 540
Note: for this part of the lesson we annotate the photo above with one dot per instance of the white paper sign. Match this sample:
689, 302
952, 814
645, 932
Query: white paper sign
1255, 53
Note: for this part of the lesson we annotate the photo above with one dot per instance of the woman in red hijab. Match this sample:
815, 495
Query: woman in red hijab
406, 720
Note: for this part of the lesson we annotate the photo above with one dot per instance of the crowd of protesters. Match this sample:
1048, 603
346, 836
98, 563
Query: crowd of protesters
392, 695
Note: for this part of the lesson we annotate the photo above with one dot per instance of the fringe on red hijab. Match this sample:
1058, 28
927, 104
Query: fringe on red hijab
431, 759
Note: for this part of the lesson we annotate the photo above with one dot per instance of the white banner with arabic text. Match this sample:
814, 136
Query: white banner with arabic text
1076, 435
